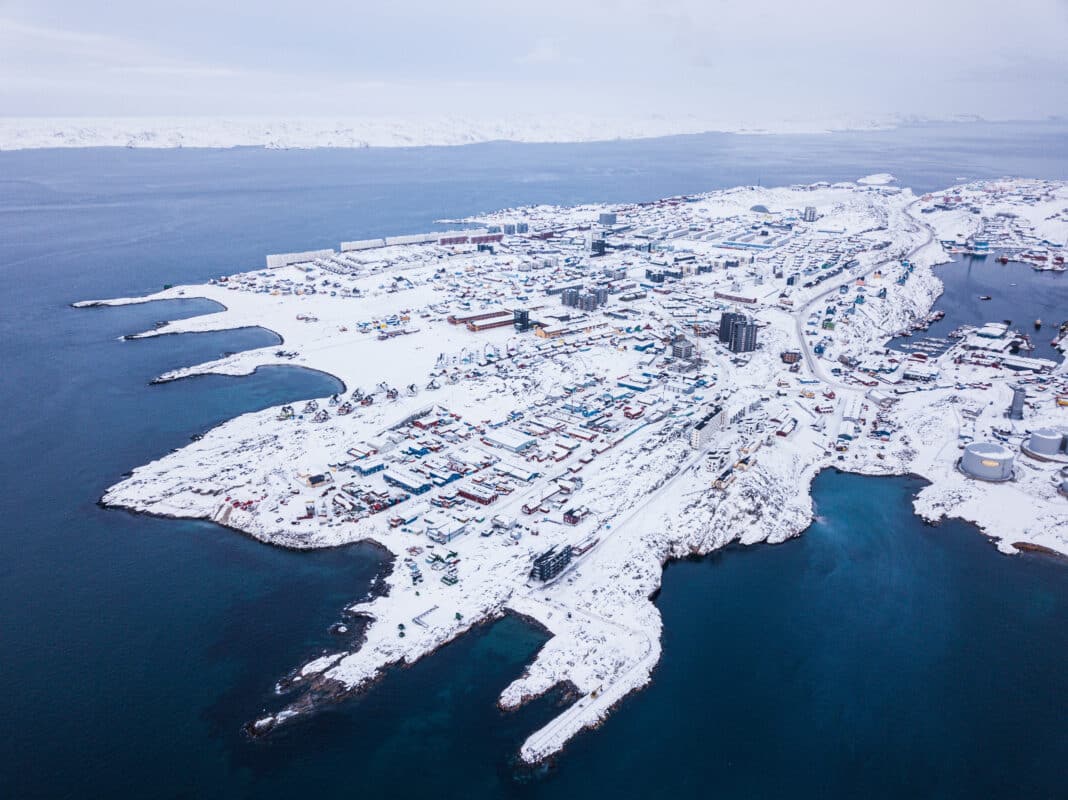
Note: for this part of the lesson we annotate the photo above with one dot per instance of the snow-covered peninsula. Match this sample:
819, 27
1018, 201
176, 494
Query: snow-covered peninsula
543, 405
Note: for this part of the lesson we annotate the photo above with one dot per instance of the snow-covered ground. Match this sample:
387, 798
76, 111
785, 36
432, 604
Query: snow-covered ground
585, 437
17, 133
878, 179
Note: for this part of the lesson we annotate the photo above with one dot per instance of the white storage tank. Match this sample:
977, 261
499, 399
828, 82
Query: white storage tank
1046, 442
987, 461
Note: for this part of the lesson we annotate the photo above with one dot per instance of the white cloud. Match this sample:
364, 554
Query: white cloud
544, 51
749, 58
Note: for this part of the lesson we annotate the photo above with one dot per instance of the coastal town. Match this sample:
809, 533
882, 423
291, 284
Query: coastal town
543, 405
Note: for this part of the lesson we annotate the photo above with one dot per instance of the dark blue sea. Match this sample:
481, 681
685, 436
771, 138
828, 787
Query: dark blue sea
872, 657
1017, 294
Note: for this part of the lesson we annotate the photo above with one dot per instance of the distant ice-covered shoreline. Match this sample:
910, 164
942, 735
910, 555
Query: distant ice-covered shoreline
23, 133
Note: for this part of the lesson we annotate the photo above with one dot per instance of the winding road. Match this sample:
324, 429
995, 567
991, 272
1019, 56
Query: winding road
811, 360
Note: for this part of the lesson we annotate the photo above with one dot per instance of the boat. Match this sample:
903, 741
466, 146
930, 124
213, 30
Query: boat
984, 297
1038, 323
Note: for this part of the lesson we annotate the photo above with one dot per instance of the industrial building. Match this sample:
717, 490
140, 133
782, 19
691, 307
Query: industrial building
509, 439
1019, 397
1047, 444
405, 479
478, 495
551, 563
443, 529
558, 289
288, 259
369, 466
987, 461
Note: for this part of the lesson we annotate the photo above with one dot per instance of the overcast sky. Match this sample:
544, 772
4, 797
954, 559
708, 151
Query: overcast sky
720, 58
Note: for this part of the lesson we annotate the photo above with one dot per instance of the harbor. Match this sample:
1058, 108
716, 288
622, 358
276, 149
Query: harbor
1017, 294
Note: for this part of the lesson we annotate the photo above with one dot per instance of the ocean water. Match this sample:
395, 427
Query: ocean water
1017, 293
874, 656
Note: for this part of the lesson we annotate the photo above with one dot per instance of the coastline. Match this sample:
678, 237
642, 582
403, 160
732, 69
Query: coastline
410, 132
769, 504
